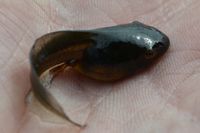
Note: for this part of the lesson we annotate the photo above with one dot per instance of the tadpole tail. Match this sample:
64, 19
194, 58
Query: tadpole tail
51, 53
47, 99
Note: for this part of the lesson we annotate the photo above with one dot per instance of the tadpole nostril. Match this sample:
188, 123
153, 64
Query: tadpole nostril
149, 54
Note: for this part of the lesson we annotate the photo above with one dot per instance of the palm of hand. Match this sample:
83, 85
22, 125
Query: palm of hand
163, 99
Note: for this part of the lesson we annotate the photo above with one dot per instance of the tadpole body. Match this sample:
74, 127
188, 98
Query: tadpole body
105, 54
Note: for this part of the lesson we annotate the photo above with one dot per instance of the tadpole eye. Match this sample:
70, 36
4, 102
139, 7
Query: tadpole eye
149, 54
158, 45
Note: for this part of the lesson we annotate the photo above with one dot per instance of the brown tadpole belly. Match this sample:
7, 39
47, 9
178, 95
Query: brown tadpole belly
105, 54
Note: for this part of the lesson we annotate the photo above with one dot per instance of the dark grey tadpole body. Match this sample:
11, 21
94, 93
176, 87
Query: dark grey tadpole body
106, 54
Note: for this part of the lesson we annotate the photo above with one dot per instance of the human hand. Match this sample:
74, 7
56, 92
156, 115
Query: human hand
164, 98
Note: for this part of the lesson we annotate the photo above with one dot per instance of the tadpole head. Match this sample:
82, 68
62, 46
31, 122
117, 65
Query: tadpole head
153, 40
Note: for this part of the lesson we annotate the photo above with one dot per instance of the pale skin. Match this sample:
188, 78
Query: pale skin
165, 98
